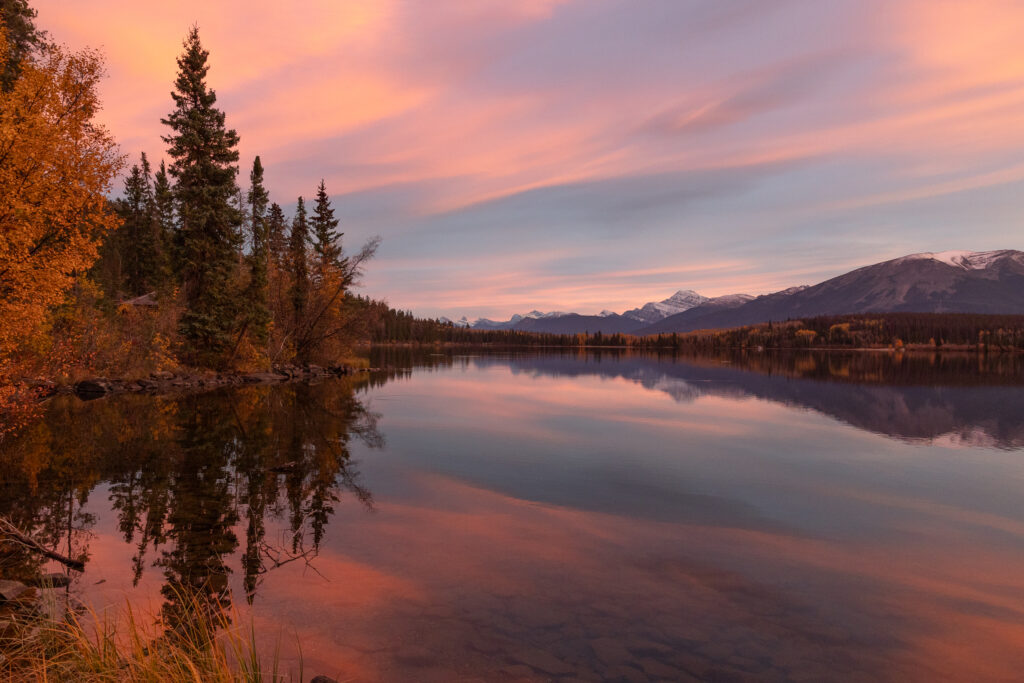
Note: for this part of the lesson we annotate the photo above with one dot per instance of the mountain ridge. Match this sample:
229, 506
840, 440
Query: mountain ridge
957, 281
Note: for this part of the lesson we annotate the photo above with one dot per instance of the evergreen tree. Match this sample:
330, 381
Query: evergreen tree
299, 267
137, 239
23, 39
164, 217
327, 239
277, 239
258, 315
204, 154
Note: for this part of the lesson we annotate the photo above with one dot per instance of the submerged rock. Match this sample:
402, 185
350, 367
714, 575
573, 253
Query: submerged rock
11, 590
93, 388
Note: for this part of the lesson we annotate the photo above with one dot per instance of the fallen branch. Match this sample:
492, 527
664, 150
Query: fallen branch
29, 543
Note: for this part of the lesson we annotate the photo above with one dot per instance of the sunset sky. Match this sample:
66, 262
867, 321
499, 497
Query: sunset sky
589, 154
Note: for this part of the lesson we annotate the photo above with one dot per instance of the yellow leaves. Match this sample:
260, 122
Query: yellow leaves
56, 165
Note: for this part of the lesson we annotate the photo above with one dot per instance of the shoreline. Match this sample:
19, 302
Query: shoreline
167, 382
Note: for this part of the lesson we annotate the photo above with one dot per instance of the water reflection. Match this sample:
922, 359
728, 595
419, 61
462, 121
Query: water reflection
189, 479
567, 516
961, 398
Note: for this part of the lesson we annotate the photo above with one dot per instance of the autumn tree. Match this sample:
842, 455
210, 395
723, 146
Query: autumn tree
204, 153
56, 165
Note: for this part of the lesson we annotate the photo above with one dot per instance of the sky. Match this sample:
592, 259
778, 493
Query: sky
598, 154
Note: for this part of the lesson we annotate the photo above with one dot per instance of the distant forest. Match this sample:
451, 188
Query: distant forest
963, 331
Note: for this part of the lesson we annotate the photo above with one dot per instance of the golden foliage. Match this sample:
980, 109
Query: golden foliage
56, 165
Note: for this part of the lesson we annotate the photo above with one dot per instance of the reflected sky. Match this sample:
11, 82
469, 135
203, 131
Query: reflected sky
624, 518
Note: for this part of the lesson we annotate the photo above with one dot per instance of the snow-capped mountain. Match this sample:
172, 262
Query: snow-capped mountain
929, 282
651, 312
943, 282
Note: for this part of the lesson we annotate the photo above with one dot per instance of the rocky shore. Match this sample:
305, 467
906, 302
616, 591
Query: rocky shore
168, 382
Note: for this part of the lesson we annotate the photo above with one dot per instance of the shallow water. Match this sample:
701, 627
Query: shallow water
566, 516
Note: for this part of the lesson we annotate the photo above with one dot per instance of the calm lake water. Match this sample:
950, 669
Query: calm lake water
565, 516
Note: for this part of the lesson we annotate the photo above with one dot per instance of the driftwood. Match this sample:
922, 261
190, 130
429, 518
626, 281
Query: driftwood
15, 534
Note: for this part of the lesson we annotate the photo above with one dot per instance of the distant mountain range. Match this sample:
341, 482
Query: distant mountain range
943, 282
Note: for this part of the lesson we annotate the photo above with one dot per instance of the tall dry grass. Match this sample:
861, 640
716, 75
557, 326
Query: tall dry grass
87, 647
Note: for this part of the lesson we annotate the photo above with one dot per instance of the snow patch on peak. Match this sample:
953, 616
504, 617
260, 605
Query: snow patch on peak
968, 260
682, 300
605, 313
731, 299
539, 315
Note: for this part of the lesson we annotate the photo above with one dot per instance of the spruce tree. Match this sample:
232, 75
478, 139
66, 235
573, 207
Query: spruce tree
326, 238
257, 314
277, 239
299, 263
164, 217
204, 153
137, 240
23, 39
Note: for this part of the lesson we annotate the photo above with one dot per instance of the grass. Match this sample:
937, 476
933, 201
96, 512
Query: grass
90, 648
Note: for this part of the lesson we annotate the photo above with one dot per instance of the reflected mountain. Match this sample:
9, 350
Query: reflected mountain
903, 397
954, 398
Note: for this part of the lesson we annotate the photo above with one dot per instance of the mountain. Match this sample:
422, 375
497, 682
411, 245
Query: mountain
683, 300
606, 322
514, 321
944, 282
461, 322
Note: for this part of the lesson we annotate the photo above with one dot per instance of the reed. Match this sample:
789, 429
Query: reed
88, 647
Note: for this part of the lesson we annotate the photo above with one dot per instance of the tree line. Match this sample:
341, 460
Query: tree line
854, 331
254, 285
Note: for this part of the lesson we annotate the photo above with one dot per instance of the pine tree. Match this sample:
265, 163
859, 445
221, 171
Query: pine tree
137, 240
299, 269
204, 154
277, 239
164, 217
327, 239
23, 39
258, 314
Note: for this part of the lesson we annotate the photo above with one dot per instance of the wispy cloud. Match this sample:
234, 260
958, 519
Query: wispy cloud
554, 143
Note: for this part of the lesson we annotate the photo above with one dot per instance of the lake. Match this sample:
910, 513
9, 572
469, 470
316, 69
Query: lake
564, 515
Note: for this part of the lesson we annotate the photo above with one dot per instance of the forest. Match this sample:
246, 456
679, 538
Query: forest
190, 267
934, 331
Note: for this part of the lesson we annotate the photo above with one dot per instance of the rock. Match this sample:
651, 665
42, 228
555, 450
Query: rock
162, 374
322, 679
11, 590
93, 388
255, 377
